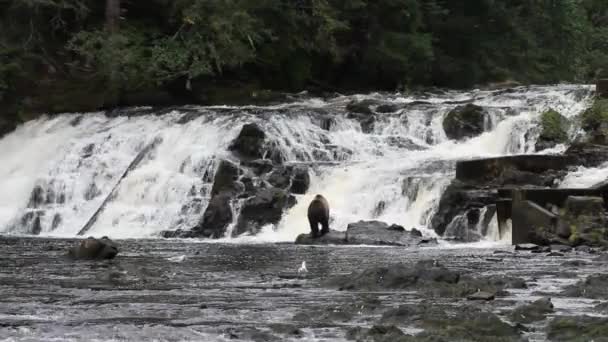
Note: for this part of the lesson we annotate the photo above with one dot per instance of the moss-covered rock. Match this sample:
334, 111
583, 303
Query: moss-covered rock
554, 130
595, 121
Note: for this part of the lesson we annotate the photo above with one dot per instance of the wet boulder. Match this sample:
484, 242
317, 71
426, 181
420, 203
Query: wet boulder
250, 141
380, 233
281, 177
94, 249
216, 218
301, 181
225, 180
362, 107
388, 108
296, 179
465, 122
327, 122
362, 112
457, 200
332, 238
265, 207
259, 166
588, 154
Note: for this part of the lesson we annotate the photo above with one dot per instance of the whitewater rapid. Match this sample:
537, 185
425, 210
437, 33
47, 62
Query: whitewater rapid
396, 173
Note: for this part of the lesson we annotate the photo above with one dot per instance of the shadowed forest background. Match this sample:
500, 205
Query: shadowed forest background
83, 55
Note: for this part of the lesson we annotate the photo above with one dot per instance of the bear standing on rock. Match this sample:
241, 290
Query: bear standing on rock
318, 213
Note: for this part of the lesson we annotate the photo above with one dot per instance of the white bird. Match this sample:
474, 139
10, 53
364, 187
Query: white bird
177, 258
302, 268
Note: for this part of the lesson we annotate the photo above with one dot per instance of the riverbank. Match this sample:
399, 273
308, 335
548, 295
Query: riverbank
171, 290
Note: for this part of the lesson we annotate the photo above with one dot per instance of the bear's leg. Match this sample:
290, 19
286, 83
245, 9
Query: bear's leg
314, 229
325, 227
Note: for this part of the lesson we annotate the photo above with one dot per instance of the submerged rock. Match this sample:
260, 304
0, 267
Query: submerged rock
595, 286
449, 323
377, 333
581, 328
535, 311
94, 249
362, 112
396, 276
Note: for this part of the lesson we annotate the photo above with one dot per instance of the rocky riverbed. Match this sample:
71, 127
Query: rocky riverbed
175, 291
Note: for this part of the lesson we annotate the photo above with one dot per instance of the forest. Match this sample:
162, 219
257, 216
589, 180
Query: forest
82, 55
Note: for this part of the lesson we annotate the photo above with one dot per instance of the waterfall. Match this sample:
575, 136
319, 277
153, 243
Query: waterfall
57, 171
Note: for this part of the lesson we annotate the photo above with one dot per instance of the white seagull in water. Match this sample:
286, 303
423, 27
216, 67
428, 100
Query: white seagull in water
302, 268
177, 258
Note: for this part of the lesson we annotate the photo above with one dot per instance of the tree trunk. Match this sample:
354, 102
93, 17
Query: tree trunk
112, 15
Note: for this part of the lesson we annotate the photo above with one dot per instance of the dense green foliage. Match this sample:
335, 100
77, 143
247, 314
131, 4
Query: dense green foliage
52, 48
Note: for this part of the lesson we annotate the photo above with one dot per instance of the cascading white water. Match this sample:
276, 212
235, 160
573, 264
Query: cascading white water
395, 173
584, 177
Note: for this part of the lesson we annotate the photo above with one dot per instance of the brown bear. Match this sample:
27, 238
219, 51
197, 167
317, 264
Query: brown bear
318, 213
92, 248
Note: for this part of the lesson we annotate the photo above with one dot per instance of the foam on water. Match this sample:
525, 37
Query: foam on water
584, 177
396, 173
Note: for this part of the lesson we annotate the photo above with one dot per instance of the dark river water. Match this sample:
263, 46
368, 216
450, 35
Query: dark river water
184, 291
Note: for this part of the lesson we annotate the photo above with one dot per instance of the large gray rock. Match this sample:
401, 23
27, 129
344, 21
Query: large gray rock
362, 112
331, 238
216, 218
252, 143
281, 177
465, 122
265, 207
225, 179
94, 249
300, 182
380, 233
